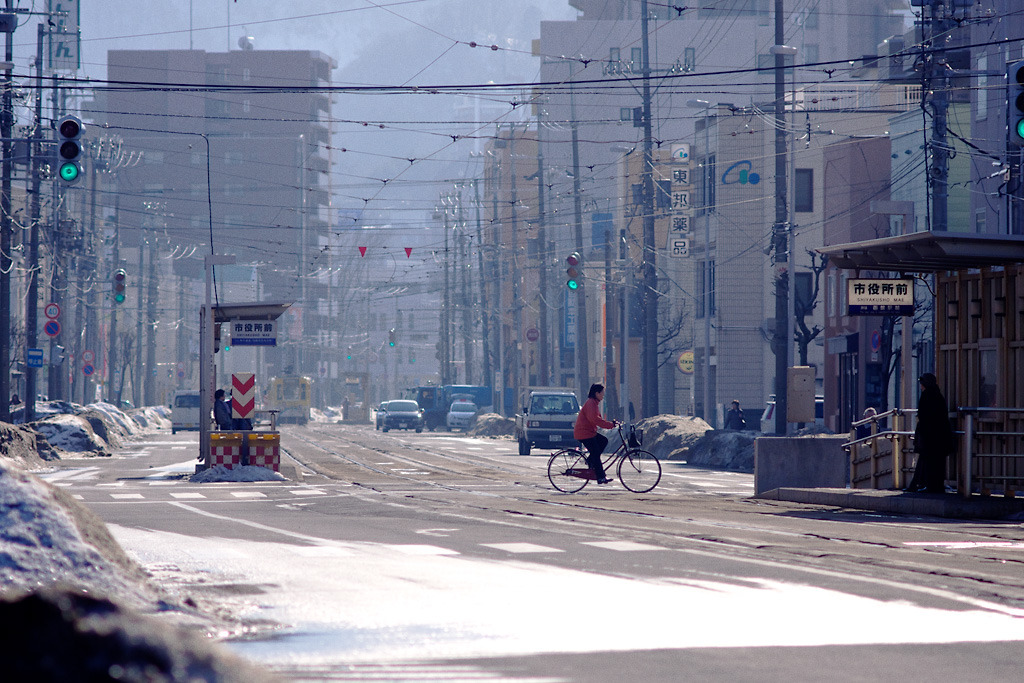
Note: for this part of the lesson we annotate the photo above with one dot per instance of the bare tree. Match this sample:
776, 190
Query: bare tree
804, 303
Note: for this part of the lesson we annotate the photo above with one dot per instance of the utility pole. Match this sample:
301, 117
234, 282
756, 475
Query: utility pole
649, 273
32, 302
936, 96
542, 251
517, 303
467, 320
582, 347
783, 274
485, 302
6, 126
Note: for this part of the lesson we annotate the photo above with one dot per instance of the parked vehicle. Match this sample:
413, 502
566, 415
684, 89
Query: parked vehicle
461, 415
547, 420
402, 415
435, 401
185, 411
378, 419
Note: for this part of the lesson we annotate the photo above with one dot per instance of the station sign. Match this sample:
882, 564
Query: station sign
34, 358
253, 333
880, 296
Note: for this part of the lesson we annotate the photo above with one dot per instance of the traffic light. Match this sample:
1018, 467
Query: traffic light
391, 337
1015, 102
69, 148
349, 356
120, 285
574, 270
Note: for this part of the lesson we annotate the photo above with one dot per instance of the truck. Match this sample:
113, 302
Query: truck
547, 420
435, 401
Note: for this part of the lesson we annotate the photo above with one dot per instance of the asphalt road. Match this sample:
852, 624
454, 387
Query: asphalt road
406, 556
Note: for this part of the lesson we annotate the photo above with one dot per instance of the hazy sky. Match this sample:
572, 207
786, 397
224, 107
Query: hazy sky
390, 42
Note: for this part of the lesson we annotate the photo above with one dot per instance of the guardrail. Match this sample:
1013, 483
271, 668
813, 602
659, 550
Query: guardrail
992, 451
881, 458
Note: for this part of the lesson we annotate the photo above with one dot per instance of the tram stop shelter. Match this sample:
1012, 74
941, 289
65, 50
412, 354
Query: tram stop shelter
211, 315
979, 341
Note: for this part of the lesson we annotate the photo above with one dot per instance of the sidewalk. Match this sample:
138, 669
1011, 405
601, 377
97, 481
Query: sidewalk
900, 502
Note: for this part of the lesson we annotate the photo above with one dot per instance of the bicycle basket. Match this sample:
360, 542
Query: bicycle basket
636, 437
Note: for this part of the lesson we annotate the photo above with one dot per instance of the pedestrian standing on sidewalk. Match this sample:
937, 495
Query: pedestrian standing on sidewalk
933, 438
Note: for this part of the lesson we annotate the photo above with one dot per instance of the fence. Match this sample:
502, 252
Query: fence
880, 457
992, 451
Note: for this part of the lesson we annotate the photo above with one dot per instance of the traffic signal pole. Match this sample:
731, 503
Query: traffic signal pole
6, 125
32, 303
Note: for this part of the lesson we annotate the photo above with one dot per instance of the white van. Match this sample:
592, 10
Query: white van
185, 411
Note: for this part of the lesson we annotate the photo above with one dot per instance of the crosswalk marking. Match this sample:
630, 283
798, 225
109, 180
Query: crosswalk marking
622, 546
126, 496
187, 496
248, 494
519, 548
414, 549
308, 492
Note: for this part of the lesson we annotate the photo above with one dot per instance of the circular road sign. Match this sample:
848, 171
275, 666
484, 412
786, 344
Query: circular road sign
52, 310
88, 369
533, 334
51, 328
88, 356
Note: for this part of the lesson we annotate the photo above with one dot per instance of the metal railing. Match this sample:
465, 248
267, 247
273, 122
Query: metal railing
991, 451
881, 458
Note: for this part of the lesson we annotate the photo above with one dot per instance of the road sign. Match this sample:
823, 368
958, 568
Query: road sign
88, 369
88, 356
52, 310
243, 395
532, 334
34, 358
51, 328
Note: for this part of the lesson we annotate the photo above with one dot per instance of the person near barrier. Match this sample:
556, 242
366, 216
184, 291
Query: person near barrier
734, 417
585, 431
221, 411
933, 438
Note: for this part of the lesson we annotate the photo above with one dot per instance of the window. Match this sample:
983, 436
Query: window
982, 89
613, 54
803, 193
689, 59
980, 219
636, 56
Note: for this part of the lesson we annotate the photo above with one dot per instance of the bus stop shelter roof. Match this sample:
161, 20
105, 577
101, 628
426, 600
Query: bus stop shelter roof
266, 310
928, 252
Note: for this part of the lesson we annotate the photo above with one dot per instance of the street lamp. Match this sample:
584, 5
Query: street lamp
706, 294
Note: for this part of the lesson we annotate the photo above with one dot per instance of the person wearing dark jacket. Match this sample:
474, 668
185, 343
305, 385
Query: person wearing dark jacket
221, 411
933, 438
734, 417
585, 431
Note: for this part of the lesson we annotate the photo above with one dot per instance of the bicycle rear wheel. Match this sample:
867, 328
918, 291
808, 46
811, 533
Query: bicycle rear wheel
639, 471
567, 470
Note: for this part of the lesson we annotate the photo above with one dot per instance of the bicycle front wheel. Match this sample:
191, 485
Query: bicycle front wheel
639, 471
567, 470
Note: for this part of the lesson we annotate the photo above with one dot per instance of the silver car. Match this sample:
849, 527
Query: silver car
461, 415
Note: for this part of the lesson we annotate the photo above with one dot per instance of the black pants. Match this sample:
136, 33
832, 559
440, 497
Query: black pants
595, 445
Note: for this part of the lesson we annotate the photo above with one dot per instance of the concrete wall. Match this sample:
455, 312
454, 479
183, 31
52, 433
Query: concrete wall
800, 462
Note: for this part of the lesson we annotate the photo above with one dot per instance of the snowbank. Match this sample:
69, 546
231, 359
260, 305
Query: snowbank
247, 473
492, 424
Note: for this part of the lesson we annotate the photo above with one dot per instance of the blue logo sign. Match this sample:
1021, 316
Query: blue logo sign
743, 174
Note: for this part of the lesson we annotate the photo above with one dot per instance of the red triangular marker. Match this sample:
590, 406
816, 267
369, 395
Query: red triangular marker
408, 252
362, 251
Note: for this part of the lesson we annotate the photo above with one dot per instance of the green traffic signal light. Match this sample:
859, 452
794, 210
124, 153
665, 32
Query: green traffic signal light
574, 261
69, 172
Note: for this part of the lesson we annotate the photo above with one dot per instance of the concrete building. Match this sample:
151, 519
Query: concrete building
706, 53
242, 167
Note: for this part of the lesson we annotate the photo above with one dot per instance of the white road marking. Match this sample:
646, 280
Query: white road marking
188, 496
126, 496
622, 546
519, 548
307, 492
248, 494
414, 549
954, 545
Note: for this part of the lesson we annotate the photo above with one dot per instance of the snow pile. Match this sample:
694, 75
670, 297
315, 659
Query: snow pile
670, 437
724, 450
153, 417
71, 434
246, 473
25, 446
492, 424
48, 539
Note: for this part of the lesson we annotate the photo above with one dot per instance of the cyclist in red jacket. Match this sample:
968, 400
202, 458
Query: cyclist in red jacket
585, 431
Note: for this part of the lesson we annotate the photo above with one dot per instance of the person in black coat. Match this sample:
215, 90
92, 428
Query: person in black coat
933, 438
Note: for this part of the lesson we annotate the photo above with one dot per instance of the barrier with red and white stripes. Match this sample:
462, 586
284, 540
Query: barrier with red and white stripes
265, 450
243, 395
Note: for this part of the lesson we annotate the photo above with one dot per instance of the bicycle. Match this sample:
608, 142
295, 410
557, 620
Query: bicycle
637, 469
